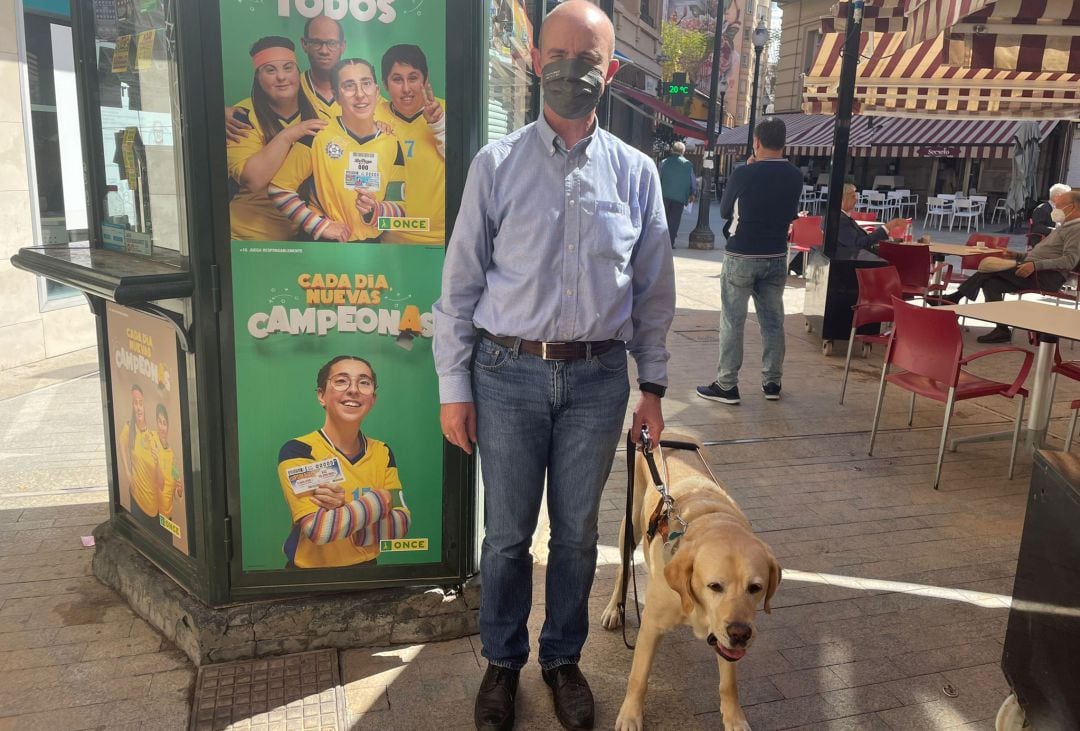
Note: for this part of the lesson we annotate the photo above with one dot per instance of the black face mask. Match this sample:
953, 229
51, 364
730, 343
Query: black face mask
572, 87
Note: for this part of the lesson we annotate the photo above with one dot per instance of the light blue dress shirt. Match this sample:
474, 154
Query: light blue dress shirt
556, 245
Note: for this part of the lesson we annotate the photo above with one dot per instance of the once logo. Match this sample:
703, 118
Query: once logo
404, 544
362, 10
388, 223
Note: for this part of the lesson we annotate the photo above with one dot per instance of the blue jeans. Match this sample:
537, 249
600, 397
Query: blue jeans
562, 419
764, 280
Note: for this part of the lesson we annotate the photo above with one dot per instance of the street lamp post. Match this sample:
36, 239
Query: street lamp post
760, 37
702, 236
720, 131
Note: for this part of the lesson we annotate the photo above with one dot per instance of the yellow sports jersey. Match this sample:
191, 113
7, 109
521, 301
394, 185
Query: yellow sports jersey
375, 469
425, 173
340, 165
168, 476
252, 216
327, 109
143, 468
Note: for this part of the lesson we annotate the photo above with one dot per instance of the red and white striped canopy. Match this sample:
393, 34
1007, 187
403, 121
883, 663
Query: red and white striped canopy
894, 79
812, 134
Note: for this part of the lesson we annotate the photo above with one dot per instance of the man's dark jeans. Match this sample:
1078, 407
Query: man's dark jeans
673, 210
995, 285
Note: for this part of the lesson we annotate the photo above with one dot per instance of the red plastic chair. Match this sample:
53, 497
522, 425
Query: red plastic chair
806, 234
971, 261
1069, 369
916, 268
877, 287
926, 354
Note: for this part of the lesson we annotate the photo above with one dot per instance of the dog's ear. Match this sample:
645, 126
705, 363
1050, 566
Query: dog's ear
679, 573
774, 581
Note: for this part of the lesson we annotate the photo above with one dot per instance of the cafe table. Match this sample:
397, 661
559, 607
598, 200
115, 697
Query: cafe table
1049, 323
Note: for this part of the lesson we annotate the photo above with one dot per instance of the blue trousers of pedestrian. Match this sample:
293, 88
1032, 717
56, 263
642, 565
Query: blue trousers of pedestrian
763, 280
537, 419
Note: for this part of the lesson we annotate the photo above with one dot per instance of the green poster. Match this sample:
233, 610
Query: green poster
336, 158
297, 306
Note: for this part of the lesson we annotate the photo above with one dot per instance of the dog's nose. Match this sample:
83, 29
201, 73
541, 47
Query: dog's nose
739, 632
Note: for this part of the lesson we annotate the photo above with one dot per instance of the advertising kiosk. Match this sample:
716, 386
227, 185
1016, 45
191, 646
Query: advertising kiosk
230, 266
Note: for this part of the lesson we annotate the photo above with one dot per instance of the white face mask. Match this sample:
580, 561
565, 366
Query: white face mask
1057, 215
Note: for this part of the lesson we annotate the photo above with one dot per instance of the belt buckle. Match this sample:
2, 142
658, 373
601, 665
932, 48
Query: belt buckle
544, 351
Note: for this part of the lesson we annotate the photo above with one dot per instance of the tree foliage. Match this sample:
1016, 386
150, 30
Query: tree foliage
685, 49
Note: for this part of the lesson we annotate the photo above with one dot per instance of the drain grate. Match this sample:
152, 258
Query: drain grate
286, 693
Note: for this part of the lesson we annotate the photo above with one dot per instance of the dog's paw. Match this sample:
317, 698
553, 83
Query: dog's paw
741, 725
734, 719
610, 618
630, 719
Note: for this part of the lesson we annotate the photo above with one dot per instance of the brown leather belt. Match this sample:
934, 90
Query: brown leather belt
577, 350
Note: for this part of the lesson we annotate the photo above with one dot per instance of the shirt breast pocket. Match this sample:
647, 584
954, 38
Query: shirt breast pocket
611, 228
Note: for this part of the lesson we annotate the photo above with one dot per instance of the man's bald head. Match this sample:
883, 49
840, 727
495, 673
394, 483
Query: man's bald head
578, 15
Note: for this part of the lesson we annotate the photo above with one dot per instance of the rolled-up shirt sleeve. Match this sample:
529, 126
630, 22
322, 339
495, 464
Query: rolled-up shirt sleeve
653, 284
463, 282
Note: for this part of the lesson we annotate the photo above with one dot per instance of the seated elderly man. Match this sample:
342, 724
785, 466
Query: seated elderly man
1042, 218
851, 238
1044, 267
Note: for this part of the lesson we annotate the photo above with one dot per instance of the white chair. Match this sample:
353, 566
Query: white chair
877, 203
860, 201
939, 207
965, 208
999, 209
980, 201
823, 197
896, 201
808, 199
910, 200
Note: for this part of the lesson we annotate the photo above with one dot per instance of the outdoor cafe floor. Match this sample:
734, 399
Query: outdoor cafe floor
891, 591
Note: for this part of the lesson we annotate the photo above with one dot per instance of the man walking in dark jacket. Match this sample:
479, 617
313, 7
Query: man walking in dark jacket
761, 199
678, 186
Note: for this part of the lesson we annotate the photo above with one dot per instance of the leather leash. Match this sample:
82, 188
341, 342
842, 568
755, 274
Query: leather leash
665, 507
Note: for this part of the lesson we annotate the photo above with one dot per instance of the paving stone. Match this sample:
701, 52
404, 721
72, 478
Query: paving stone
806, 682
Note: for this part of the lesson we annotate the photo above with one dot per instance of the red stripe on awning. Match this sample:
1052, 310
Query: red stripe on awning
682, 124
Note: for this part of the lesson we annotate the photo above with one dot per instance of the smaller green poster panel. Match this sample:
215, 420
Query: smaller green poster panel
340, 451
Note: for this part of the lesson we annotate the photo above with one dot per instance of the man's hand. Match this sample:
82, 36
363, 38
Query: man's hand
1009, 254
1025, 270
433, 111
336, 231
459, 424
234, 128
895, 225
649, 413
329, 496
692, 198
751, 160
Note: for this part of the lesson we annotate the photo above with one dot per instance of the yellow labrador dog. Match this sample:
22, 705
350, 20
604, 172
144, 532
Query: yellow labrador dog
713, 581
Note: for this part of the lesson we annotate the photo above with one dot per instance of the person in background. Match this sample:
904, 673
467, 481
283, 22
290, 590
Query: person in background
1042, 218
324, 44
559, 263
679, 186
851, 239
1044, 267
761, 200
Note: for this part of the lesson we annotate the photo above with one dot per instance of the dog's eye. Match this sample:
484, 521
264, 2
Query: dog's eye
754, 588
718, 588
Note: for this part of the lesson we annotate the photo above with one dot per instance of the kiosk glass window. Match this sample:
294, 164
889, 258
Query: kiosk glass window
512, 87
138, 94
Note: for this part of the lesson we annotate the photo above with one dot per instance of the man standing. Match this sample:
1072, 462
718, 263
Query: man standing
679, 186
761, 199
556, 268
1044, 267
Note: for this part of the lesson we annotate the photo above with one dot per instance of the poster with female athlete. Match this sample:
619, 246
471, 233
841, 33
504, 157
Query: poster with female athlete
335, 125
148, 424
335, 120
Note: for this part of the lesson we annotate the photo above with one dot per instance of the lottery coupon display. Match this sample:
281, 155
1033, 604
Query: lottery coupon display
149, 427
336, 160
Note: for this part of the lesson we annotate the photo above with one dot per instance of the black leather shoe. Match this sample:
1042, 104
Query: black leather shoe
494, 710
997, 335
573, 699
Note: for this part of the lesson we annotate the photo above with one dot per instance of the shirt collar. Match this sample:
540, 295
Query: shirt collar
553, 143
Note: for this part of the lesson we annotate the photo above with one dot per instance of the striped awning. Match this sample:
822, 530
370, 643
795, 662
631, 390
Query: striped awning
804, 132
884, 16
897, 136
665, 114
893, 79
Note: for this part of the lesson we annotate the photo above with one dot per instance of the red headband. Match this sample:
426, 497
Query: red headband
274, 53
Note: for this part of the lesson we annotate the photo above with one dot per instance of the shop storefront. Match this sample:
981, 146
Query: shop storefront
227, 267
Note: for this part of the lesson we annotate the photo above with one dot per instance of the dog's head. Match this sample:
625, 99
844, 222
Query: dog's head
722, 572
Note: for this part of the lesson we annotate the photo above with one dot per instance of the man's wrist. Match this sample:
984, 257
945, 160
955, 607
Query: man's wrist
654, 388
